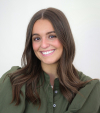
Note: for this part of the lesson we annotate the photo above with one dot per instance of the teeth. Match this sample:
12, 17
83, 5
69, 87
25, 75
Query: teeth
45, 53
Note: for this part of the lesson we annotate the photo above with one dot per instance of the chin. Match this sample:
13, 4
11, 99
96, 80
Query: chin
50, 62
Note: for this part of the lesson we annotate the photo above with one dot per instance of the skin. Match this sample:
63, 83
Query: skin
45, 39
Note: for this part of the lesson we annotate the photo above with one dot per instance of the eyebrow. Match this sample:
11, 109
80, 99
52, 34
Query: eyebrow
46, 33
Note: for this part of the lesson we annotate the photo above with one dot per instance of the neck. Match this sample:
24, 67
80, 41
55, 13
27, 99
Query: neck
51, 70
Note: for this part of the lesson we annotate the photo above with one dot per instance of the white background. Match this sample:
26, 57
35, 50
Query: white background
84, 19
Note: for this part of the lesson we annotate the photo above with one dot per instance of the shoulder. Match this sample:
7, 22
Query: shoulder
5, 84
5, 79
12, 70
94, 84
83, 77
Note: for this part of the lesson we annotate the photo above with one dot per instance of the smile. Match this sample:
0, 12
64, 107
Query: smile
47, 53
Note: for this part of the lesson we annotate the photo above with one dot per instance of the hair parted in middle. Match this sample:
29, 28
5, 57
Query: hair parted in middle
31, 65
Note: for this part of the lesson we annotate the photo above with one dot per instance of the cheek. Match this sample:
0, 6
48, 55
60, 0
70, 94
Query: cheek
35, 46
58, 44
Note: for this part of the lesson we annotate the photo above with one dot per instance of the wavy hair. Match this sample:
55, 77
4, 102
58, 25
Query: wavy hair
29, 74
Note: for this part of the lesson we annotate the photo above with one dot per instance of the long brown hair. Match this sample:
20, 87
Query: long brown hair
29, 74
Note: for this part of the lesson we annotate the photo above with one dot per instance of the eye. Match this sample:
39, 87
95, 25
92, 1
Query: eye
52, 36
36, 39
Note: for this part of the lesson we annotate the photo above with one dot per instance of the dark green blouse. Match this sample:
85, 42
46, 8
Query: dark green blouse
52, 101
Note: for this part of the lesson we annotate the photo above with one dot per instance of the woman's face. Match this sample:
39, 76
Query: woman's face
45, 42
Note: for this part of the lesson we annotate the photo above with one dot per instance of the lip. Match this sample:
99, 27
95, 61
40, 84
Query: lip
49, 53
47, 50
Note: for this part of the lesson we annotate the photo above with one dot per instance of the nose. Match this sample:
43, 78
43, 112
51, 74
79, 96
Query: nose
45, 43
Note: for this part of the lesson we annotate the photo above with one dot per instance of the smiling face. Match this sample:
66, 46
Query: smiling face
45, 42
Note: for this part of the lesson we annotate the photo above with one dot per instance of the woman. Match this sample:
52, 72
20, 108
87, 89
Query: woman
48, 82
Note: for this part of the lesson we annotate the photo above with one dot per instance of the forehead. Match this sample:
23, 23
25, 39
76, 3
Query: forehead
42, 25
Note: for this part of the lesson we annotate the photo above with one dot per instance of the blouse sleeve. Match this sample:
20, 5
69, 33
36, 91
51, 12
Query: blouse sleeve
89, 101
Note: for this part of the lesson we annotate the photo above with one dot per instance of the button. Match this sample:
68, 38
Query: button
56, 91
54, 105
